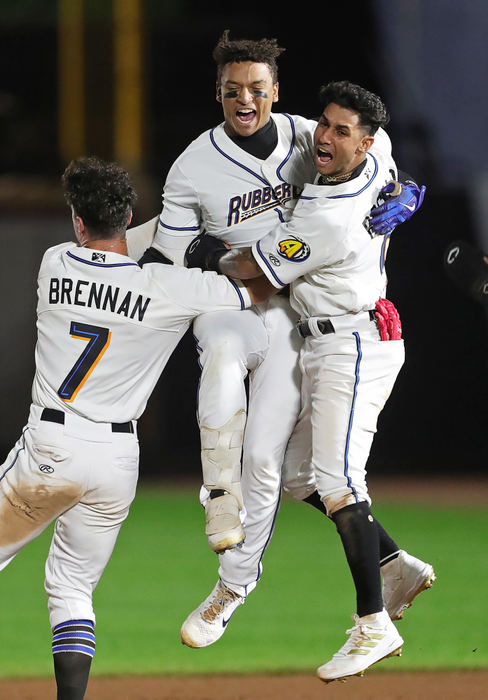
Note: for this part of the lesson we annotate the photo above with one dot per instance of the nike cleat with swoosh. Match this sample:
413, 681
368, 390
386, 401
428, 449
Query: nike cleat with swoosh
207, 623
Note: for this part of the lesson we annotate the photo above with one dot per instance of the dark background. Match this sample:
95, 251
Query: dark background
427, 60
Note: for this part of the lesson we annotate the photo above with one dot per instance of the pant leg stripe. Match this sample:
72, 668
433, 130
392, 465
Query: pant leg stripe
351, 416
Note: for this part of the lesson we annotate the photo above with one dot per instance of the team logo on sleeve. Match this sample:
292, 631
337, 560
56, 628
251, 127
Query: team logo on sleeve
293, 249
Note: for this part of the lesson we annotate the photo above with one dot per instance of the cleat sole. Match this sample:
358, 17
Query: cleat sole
427, 583
360, 674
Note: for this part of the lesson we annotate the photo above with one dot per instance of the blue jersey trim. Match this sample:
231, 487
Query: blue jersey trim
292, 146
383, 251
370, 182
239, 294
178, 228
252, 172
264, 259
95, 264
236, 162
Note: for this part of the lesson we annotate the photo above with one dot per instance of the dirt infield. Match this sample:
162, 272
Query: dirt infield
374, 686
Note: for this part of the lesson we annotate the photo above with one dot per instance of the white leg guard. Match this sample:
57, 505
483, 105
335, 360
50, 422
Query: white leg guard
221, 467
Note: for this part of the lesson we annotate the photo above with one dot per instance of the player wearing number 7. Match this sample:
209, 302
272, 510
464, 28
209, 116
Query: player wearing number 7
106, 328
336, 267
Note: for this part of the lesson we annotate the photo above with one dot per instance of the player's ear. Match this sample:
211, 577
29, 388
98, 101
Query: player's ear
365, 144
275, 92
218, 95
130, 219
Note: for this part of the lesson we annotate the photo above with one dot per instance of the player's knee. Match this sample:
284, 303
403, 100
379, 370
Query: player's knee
337, 501
225, 345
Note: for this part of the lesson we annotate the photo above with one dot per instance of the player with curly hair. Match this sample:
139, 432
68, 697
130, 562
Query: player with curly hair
351, 356
99, 318
236, 182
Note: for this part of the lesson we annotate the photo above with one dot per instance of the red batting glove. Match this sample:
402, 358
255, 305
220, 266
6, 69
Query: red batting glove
388, 320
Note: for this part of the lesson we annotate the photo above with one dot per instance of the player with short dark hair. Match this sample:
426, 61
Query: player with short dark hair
236, 182
229, 51
371, 110
106, 328
352, 353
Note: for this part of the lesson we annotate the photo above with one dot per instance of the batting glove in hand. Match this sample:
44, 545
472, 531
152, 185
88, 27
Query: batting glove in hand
205, 252
397, 208
388, 320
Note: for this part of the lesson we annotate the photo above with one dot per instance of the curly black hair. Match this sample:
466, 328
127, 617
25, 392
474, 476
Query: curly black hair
100, 193
238, 50
371, 110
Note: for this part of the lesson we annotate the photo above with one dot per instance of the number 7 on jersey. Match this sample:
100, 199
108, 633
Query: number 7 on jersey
98, 341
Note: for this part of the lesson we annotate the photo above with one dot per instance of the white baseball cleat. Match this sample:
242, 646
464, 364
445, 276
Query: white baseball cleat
207, 623
223, 527
373, 638
403, 579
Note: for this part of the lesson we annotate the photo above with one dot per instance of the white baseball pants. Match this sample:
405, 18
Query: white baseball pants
84, 475
347, 377
264, 341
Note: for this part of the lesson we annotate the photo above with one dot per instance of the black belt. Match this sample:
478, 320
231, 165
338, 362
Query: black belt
325, 326
54, 416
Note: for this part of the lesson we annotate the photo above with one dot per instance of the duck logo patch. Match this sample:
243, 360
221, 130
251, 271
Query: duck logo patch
294, 249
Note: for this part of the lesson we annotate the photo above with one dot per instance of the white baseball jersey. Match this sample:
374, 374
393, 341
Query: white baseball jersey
216, 186
101, 316
106, 328
326, 251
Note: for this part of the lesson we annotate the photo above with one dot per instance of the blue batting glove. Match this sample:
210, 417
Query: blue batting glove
397, 209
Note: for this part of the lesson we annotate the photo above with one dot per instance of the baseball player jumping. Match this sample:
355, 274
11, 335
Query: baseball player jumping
106, 329
236, 182
350, 359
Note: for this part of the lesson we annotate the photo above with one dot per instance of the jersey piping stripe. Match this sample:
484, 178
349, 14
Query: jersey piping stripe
263, 258
236, 162
351, 416
236, 287
12, 464
292, 146
370, 182
178, 228
95, 264
384, 247
352, 194
271, 530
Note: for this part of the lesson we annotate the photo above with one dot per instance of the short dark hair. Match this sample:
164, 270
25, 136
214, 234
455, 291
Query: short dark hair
239, 50
100, 193
371, 110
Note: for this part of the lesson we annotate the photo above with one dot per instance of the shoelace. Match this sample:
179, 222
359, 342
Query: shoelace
363, 638
224, 596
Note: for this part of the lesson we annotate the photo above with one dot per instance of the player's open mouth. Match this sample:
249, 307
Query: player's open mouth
246, 116
323, 157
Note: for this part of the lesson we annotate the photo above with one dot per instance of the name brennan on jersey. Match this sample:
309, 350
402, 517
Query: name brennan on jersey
99, 296
255, 202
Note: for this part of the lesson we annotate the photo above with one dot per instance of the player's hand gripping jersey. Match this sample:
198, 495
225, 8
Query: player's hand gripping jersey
100, 315
216, 186
335, 265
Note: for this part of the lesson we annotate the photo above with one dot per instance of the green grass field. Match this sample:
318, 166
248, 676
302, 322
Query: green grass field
297, 617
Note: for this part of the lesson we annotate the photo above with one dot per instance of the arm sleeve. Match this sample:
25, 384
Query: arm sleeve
291, 250
180, 219
201, 292
141, 237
